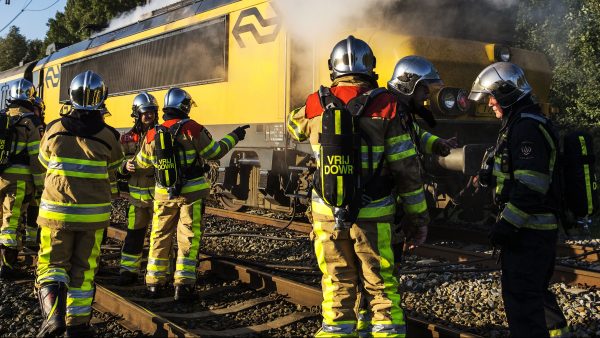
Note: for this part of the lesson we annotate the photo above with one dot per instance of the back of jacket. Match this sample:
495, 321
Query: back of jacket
80, 177
198, 146
28, 143
384, 135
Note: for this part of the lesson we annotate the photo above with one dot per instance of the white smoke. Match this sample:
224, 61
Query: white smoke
308, 19
135, 15
502, 4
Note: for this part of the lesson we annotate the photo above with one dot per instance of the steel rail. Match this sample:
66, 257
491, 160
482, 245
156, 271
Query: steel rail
136, 317
307, 295
438, 232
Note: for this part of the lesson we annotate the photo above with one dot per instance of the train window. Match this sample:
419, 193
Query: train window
193, 55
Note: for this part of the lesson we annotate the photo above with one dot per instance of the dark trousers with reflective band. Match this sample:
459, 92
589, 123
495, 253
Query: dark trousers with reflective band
14, 196
184, 220
527, 267
71, 257
131, 254
362, 255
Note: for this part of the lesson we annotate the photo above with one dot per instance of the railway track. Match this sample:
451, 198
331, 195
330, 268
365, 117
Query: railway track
139, 315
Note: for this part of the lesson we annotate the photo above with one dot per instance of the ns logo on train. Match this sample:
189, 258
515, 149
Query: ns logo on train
52, 78
239, 28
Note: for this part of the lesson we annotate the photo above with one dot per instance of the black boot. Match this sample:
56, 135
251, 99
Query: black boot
127, 278
80, 331
152, 290
53, 302
185, 292
8, 262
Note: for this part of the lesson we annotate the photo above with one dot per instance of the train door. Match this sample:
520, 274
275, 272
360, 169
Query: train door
3, 95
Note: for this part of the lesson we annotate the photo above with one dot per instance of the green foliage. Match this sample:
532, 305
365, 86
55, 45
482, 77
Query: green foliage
73, 25
568, 32
13, 49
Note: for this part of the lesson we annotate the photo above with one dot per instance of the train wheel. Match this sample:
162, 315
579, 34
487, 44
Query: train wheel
226, 202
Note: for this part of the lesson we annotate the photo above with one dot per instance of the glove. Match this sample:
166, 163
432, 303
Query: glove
240, 132
416, 236
442, 147
503, 233
484, 178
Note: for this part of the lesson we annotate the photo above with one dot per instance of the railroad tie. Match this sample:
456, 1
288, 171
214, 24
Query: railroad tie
275, 324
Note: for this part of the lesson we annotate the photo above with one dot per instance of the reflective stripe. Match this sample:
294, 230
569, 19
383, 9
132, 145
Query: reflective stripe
8, 234
386, 270
144, 160
210, 150
588, 179
562, 332
44, 272
385, 330
521, 219
337, 329
414, 202
534, 180
379, 208
141, 193
552, 147
86, 213
18, 169
158, 262
427, 141
190, 186
33, 148
82, 310
399, 147
98, 170
43, 159
130, 262
377, 152
184, 274
294, 128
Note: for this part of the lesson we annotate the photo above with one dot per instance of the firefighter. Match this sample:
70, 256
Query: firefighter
31, 227
20, 170
180, 211
140, 186
360, 252
81, 155
527, 192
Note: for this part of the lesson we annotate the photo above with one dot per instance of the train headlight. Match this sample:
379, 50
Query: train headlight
448, 100
462, 100
502, 53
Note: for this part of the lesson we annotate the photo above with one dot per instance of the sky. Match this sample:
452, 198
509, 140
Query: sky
32, 22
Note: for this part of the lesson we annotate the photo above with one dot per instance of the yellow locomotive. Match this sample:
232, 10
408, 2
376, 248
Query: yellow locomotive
241, 66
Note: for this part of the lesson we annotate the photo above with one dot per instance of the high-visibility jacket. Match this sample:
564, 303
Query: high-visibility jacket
525, 168
395, 145
199, 146
28, 140
80, 177
141, 182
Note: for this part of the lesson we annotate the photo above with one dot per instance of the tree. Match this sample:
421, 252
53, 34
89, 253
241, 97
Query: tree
13, 49
71, 26
567, 31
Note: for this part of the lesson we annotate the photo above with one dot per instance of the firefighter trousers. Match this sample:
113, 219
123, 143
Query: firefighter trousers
348, 259
137, 223
527, 266
31, 227
14, 196
181, 219
71, 257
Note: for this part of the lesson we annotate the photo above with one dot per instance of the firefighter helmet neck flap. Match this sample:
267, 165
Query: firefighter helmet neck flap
87, 91
409, 72
352, 56
504, 81
179, 101
21, 93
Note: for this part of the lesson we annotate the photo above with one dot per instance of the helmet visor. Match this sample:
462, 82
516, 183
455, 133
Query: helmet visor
478, 96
